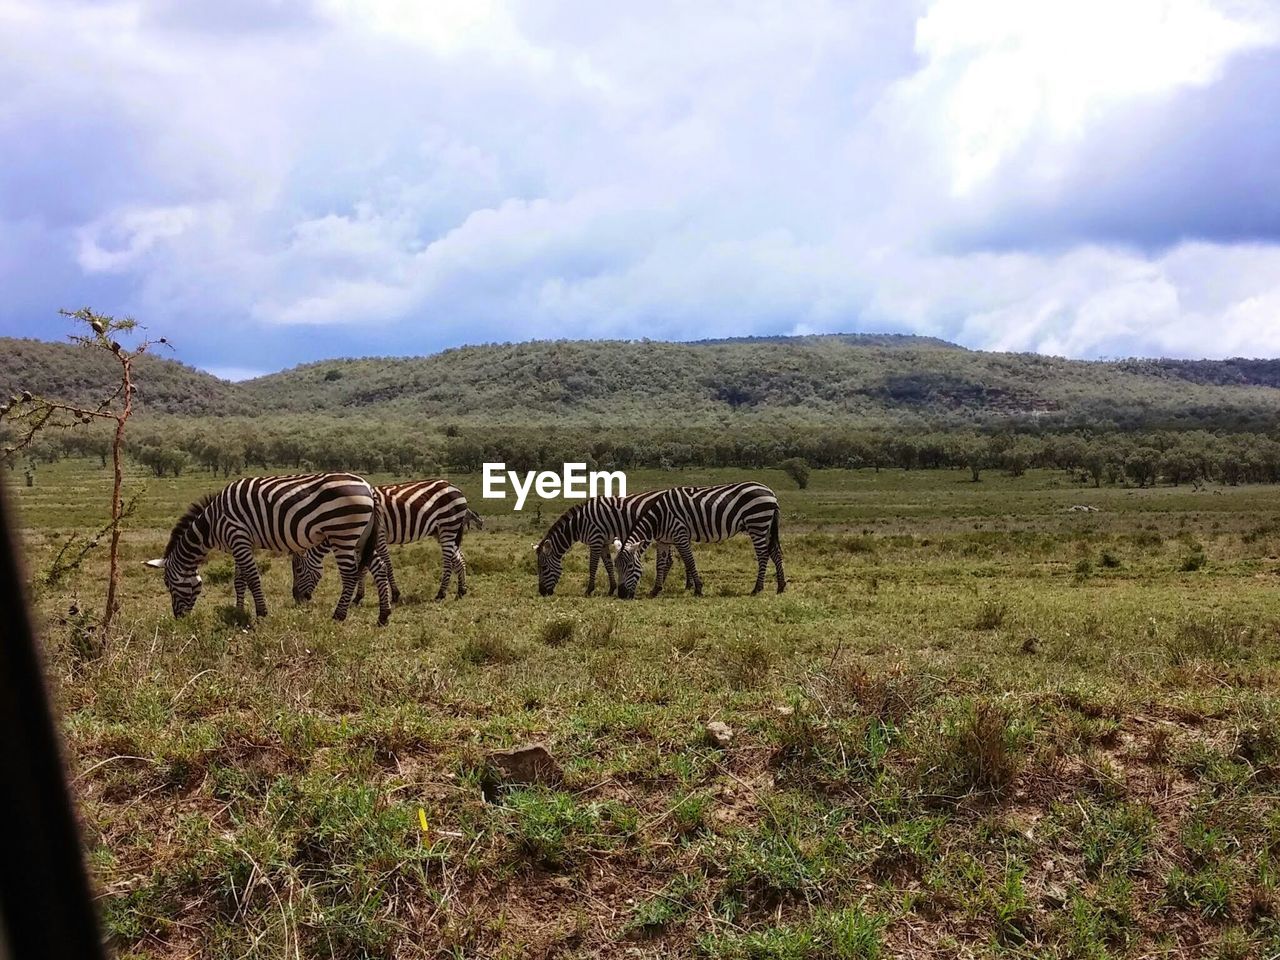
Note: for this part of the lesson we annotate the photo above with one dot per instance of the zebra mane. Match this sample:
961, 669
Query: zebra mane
562, 523
194, 512
643, 512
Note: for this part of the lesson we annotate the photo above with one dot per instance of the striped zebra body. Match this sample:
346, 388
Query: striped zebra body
407, 512
596, 522
684, 515
290, 514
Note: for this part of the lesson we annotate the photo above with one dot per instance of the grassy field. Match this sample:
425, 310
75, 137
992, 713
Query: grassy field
977, 724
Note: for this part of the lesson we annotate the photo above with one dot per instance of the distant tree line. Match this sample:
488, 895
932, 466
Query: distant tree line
224, 447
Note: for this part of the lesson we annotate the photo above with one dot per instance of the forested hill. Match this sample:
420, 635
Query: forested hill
864, 379
76, 373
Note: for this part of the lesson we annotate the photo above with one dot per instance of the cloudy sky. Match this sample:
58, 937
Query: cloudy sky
273, 181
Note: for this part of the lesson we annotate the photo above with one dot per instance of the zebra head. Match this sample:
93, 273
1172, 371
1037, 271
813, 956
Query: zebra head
550, 566
306, 574
189, 544
630, 564
181, 580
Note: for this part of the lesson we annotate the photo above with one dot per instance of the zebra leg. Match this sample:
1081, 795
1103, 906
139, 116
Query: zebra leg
688, 577
760, 542
381, 571
691, 569
240, 585
349, 570
662, 568
461, 563
592, 564
247, 571
384, 555
777, 566
448, 553
607, 560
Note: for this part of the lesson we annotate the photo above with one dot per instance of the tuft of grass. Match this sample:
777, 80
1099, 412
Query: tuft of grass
1207, 891
549, 828
979, 750
668, 906
848, 934
746, 662
991, 615
487, 648
1114, 839
1194, 559
557, 632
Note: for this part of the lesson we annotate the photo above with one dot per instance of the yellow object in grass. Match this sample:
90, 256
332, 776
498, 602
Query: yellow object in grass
422, 820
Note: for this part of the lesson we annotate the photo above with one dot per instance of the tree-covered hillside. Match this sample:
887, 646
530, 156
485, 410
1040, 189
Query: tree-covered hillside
74, 373
819, 379
815, 380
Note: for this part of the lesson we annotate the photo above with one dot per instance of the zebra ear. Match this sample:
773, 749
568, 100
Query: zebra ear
157, 563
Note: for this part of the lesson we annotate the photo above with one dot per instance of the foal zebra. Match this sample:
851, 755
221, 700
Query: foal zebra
285, 514
682, 515
406, 512
597, 522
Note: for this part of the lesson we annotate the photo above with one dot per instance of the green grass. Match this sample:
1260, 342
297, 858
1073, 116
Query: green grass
950, 736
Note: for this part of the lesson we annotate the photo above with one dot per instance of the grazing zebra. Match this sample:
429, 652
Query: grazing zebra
596, 522
682, 515
406, 512
285, 514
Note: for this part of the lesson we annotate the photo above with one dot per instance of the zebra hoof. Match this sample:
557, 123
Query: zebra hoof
340, 615
395, 596
462, 592
384, 619
756, 590
440, 596
781, 587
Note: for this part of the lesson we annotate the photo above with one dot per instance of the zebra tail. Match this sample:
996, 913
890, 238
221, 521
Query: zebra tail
773, 528
474, 519
369, 540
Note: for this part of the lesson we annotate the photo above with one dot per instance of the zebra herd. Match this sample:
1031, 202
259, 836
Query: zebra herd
311, 516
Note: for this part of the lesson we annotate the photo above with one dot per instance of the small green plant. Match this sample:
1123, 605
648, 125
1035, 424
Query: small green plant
1207, 891
668, 906
548, 828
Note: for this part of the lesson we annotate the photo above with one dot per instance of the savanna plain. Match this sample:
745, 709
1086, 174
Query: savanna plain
978, 724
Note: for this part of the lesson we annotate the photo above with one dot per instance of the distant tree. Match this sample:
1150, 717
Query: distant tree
32, 415
797, 470
1140, 466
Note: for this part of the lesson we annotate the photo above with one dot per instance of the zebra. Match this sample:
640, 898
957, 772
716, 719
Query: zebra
595, 522
406, 512
682, 515
288, 514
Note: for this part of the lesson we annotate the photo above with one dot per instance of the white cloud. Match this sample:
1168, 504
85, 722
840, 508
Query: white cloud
400, 175
998, 73
117, 241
